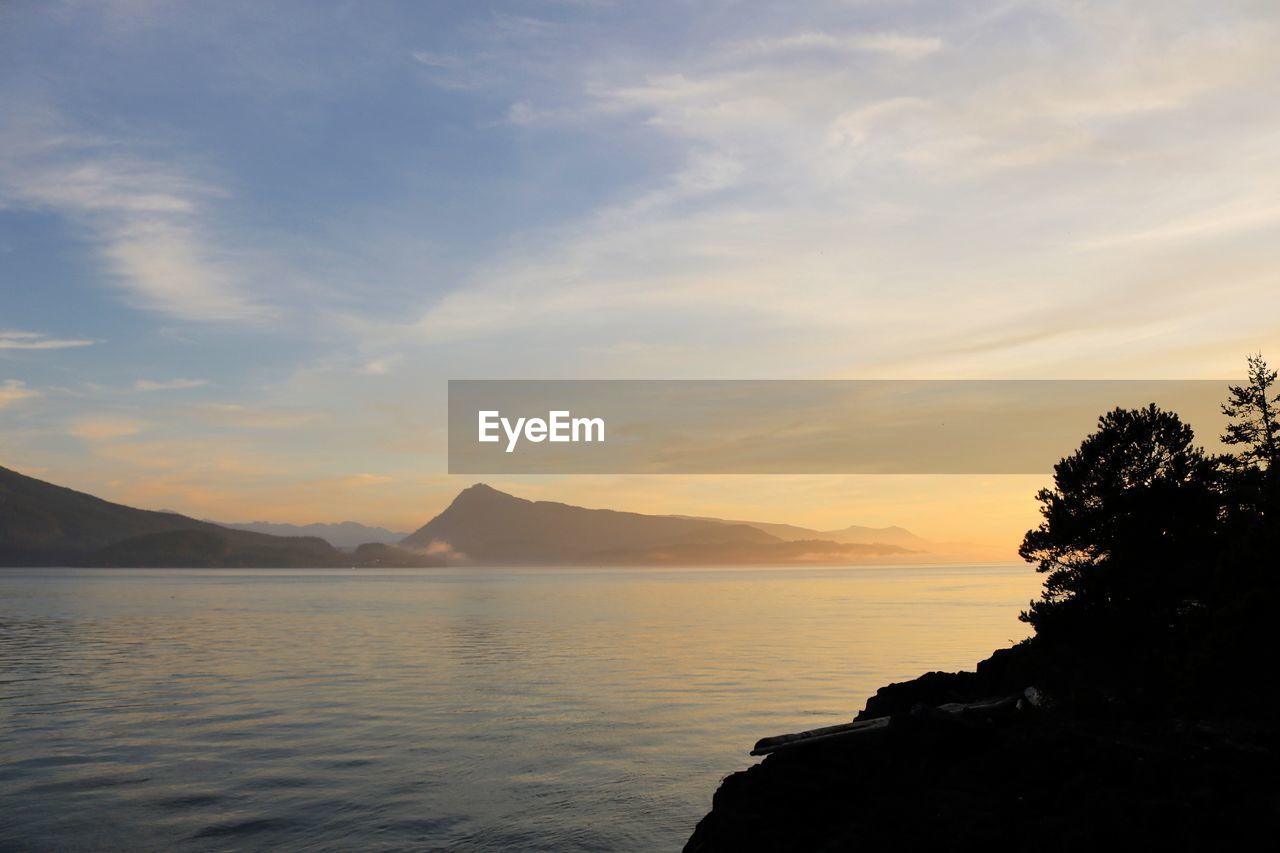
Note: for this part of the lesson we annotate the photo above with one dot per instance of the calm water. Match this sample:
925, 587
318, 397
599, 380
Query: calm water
462, 710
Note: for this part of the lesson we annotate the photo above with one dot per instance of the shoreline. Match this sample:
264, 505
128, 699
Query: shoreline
965, 760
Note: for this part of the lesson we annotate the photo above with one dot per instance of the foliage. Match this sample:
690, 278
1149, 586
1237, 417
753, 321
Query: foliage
1160, 557
1131, 513
1255, 426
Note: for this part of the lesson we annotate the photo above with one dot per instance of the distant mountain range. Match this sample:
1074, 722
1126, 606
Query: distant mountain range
853, 534
46, 525
486, 526
346, 535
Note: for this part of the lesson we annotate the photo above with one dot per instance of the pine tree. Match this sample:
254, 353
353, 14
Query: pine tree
1127, 526
1254, 417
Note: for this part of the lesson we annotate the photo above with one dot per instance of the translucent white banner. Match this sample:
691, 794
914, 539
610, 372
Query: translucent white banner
796, 427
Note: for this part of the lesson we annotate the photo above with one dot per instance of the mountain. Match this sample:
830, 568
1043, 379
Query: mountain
42, 524
198, 548
490, 526
46, 525
486, 526
853, 534
923, 549
345, 535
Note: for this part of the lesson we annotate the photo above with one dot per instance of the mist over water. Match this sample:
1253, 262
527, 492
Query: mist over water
478, 709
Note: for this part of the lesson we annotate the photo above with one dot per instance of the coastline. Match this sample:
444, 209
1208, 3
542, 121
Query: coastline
1024, 770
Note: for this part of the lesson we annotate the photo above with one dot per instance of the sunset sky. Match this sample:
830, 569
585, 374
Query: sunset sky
243, 245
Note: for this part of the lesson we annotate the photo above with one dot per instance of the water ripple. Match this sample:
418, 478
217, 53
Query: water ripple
439, 710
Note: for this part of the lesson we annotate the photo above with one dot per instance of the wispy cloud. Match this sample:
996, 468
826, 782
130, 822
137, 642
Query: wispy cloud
1243, 214
450, 72
14, 339
867, 189
105, 428
436, 60
169, 269
893, 44
14, 391
168, 384
380, 366
147, 217
250, 417
366, 479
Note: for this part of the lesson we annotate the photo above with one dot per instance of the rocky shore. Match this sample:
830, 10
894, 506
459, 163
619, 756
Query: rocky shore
1140, 716
973, 761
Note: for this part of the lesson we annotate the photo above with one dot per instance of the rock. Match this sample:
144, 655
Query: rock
980, 775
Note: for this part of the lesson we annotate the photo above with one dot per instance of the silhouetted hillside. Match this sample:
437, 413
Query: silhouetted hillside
43, 524
217, 548
46, 525
486, 526
854, 534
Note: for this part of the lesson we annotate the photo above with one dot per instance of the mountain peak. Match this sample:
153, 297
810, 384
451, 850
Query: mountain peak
485, 526
481, 492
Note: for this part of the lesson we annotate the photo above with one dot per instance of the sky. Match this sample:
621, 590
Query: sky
243, 245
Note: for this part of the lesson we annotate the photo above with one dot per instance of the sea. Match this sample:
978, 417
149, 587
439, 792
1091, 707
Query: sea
444, 709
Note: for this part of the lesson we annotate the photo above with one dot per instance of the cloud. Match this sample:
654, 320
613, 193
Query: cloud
248, 417
441, 548
14, 339
367, 480
838, 200
168, 384
523, 112
105, 428
1238, 215
436, 60
449, 72
380, 366
149, 219
892, 44
168, 269
14, 391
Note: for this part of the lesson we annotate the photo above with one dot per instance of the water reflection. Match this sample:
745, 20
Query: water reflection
482, 710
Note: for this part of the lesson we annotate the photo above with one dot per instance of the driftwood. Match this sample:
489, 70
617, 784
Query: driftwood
772, 744
985, 705
1029, 698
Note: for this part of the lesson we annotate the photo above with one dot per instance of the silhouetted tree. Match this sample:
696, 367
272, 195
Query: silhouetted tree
1254, 469
1255, 424
1129, 521
1252, 522
1160, 560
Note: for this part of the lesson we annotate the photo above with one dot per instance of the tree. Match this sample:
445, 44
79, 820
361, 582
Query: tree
1127, 526
1252, 517
1256, 425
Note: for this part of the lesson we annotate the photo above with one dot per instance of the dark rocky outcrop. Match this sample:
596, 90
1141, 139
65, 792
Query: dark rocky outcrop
1020, 781
1154, 644
1007, 775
